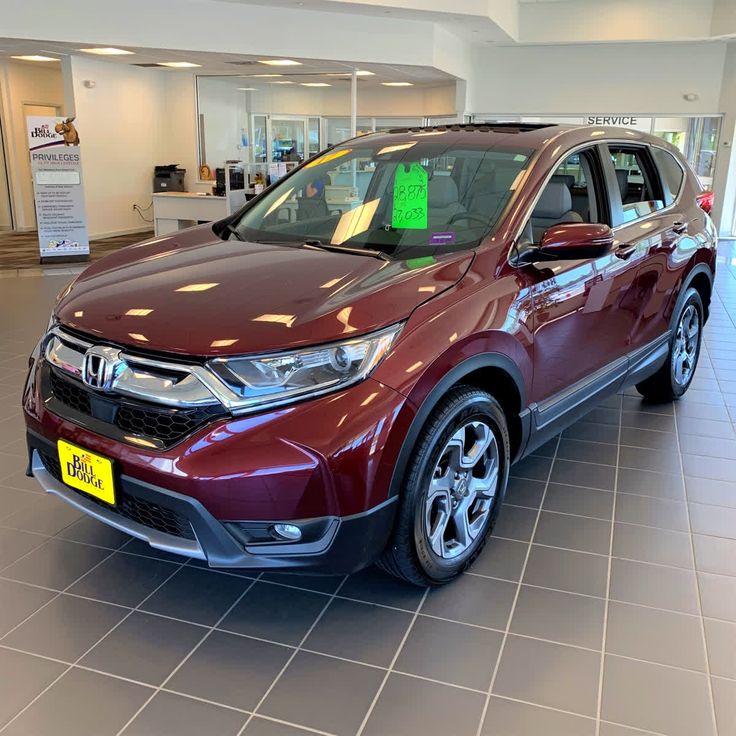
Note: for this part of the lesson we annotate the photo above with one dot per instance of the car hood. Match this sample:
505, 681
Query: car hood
194, 294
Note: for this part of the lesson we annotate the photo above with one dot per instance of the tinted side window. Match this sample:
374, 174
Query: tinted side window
671, 173
638, 184
574, 193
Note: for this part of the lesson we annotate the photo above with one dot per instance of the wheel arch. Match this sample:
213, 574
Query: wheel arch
490, 371
700, 278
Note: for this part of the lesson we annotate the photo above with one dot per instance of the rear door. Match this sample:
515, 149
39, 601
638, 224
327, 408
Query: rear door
653, 229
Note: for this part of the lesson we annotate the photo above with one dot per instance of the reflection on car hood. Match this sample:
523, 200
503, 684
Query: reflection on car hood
194, 294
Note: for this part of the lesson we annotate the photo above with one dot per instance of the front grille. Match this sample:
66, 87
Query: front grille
167, 425
117, 417
147, 513
70, 393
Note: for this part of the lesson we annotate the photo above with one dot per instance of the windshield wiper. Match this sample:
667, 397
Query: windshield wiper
345, 249
233, 230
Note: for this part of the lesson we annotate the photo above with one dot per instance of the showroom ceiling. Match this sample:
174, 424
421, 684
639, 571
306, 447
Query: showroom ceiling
308, 70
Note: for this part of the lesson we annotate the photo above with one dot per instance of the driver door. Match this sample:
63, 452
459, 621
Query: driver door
581, 322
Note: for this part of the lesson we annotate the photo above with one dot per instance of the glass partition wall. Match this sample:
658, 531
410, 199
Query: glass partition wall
265, 122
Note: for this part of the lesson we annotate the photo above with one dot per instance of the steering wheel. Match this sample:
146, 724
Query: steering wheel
468, 216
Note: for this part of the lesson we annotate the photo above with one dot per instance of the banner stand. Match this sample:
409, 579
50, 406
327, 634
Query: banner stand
56, 168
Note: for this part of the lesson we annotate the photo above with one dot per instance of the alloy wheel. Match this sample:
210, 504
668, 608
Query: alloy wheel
462, 490
685, 349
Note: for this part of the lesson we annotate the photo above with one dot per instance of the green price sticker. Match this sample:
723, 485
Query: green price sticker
410, 197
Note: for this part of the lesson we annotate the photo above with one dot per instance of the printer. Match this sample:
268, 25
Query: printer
169, 178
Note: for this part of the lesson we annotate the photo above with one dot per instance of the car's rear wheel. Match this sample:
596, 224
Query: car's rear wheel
452, 491
675, 376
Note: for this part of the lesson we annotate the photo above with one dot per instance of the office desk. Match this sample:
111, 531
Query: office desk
175, 210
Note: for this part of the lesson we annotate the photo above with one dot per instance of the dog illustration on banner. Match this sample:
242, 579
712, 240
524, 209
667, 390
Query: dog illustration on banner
68, 131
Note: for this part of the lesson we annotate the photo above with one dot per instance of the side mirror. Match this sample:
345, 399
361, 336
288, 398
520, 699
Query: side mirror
573, 240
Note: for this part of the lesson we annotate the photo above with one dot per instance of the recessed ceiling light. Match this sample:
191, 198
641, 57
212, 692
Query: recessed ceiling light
282, 81
359, 73
177, 64
315, 84
397, 84
248, 89
34, 57
263, 76
280, 62
106, 51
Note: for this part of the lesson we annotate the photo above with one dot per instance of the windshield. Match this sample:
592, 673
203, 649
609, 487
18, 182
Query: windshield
410, 199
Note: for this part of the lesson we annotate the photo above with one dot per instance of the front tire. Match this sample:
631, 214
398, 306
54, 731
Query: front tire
452, 490
675, 376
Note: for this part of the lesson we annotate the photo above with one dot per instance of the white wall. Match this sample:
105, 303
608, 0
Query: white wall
122, 123
605, 78
25, 83
567, 21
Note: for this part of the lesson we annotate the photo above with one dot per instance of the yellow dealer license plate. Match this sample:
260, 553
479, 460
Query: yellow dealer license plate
86, 471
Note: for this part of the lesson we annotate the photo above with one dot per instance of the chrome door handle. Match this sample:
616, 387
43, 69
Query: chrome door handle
679, 227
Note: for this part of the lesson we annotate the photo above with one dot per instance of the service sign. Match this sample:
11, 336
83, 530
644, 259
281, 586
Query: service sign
56, 167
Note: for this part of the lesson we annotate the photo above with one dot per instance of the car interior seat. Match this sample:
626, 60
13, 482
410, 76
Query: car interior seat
622, 176
553, 207
443, 199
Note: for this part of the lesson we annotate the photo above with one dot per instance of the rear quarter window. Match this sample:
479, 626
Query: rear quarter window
670, 172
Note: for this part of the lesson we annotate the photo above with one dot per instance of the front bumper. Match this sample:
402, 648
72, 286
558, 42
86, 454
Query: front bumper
180, 524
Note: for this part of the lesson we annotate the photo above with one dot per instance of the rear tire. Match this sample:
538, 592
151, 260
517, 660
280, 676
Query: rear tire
675, 376
452, 490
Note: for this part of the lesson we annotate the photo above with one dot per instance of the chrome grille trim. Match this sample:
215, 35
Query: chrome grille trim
195, 387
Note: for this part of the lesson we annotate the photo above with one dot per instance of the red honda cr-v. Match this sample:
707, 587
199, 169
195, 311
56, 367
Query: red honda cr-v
343, 372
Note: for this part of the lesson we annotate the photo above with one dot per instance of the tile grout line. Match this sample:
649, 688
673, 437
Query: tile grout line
390, 669
57, 592
388, 607
296, 651
699, 597
89, 649
607, 604
517, 593
330, 655
191, 652
246, 712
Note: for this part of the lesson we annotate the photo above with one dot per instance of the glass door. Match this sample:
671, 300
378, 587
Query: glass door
314, 136
288, 139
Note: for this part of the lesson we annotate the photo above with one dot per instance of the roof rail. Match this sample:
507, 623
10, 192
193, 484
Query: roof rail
481, 127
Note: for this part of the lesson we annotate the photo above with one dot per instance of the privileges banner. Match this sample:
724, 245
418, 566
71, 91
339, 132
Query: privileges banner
56, 167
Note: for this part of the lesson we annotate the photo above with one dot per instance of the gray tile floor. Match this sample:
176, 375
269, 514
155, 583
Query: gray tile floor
604, 605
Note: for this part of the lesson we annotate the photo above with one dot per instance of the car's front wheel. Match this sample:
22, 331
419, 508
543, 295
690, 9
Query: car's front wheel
675, 376
453, 489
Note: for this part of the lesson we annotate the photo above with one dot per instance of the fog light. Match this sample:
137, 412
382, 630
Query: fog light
288, 531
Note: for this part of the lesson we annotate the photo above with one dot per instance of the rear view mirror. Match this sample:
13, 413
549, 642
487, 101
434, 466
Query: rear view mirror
572, 240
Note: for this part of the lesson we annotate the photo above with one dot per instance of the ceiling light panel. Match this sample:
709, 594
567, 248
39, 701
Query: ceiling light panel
33, 57
178, 64
106, 51
280, 62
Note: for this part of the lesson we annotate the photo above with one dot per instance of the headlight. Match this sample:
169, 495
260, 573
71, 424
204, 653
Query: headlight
265, 380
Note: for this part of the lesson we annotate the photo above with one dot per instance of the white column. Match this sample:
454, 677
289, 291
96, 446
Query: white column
354, 103
724, 180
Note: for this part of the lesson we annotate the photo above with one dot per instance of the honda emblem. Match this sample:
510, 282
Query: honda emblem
101, 367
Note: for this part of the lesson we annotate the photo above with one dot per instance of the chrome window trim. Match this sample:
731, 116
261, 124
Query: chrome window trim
589, 144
